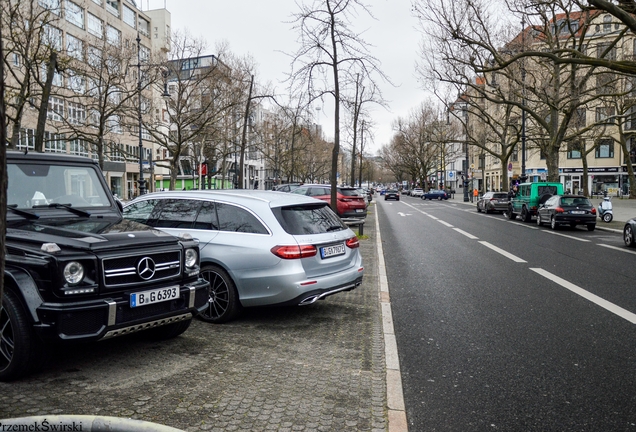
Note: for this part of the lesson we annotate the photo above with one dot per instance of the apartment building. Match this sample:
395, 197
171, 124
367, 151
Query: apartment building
92, 109
603, 114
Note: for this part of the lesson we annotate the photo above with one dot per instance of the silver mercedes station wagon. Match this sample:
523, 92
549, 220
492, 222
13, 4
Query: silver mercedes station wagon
258, 248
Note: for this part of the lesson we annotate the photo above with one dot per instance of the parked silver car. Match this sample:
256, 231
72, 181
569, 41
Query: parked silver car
258, 247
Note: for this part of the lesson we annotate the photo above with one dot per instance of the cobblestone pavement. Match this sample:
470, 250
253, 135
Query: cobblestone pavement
311, 368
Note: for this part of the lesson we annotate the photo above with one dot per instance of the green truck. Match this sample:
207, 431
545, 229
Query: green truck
529, 196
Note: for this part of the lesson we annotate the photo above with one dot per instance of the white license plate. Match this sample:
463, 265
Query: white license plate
331, 251
154, 296
577, 212
359, 210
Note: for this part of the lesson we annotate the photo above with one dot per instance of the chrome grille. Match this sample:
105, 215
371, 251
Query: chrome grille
125, 270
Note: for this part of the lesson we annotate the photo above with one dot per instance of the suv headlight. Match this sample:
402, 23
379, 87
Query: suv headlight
73, 273
191, 258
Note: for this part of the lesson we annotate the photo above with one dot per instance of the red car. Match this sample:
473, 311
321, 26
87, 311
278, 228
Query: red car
350, 202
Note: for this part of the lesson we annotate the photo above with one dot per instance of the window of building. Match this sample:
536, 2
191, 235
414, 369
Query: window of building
144, 53
574, 150
112, 6
630, 119
631, 150
113, 36
99, 2
54, 143
15, 59
56, 109
603, 51
113, 65
144, 27
74, 14
76, 82
52, 37
605, 149
605, 115
114, 124
26, 139
129, 16
95, 26
79, 147
58, 80
76, 113
51, 5
579, 117
74, 47
94, 57
607, 23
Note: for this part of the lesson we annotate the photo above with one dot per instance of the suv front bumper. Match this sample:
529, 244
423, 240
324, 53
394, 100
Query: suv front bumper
92, 320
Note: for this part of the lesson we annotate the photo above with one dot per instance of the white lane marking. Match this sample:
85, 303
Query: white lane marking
503, 252
445, 223
525, 225
404, 214
623, 313
568, 236
621, 249
432, 217
470, 236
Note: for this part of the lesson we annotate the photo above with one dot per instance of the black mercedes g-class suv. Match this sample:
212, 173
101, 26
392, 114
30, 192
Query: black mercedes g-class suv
77, 271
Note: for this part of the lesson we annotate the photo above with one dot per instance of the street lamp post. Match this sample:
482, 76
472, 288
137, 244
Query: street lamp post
466, 199
142, 182
523, 176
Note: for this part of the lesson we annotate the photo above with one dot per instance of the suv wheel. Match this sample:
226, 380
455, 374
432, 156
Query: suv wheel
223, 304
511, 214
20, 351
525, 215
539, 223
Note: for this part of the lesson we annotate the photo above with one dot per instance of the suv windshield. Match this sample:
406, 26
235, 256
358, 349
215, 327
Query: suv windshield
32, 185
308, 219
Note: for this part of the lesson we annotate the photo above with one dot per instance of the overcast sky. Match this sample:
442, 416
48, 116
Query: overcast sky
262, 29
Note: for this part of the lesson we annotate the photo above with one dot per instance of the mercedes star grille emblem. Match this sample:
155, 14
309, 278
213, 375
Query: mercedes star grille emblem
146, 268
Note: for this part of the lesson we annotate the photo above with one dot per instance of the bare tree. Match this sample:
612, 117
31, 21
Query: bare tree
187, 116
330, 57
541, 64
28, 48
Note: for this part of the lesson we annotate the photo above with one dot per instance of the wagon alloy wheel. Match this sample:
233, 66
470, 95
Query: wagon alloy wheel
223, 303
628, 236
539, 223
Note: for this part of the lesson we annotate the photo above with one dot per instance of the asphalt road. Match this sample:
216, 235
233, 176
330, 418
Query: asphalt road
502, 325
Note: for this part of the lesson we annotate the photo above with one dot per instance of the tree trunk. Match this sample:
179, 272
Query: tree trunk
44, 103
3, 171
244, 137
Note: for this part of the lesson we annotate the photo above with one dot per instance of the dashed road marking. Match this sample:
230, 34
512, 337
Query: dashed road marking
617, 310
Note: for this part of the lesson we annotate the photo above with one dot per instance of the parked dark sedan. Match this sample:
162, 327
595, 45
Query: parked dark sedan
569, 210
629, 233
435, 194
493, 201
391, 194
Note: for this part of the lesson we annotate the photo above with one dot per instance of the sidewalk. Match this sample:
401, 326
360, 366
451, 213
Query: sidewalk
624, 209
